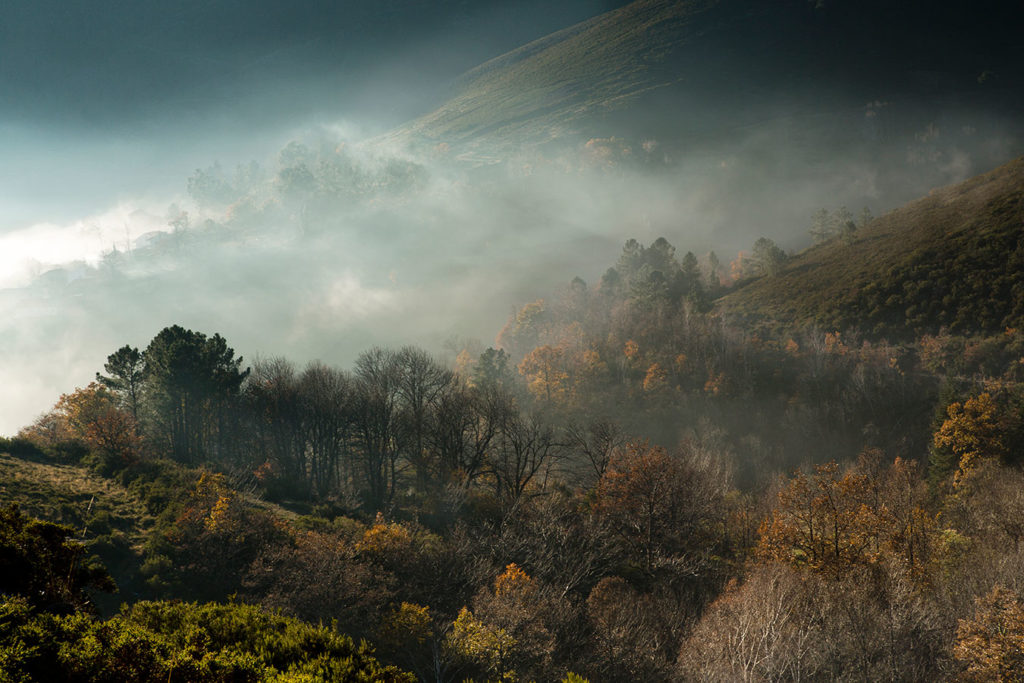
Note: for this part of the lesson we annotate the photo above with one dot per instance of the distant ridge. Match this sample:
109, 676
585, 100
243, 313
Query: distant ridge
542, 89
688, 70
953, 259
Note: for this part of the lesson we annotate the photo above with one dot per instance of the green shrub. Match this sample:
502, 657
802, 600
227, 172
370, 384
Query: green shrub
154, 642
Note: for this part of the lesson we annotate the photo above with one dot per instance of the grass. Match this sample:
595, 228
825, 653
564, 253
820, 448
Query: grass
111, 521
591, 67
72, 495
953, 259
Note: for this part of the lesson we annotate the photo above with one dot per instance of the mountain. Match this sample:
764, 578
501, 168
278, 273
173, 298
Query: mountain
953, 259
693, 72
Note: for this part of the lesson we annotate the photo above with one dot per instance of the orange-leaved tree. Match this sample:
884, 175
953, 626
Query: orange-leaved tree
969, 433
93, 415
833, 521
545, 373
991, 642
826, 521
660, 505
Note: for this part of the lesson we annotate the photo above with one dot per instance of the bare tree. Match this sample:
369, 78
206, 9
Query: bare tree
525, 448
593, 446
326, 399
421, 382
377, 424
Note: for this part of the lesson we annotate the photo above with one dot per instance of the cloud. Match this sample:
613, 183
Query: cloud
27, 253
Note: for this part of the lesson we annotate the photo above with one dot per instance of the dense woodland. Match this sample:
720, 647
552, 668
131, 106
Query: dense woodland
629, 486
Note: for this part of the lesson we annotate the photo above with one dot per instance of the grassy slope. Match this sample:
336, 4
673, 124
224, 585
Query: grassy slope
690, 69
111, 520
597, 65
63, 493
954, 259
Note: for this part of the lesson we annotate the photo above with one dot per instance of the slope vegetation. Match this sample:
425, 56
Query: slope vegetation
73, 495
688, 69
548, 85
953, 259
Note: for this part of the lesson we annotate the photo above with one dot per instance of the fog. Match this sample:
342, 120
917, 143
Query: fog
263, 202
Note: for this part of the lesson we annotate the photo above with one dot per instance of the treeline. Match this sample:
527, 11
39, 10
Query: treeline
646, 346
399, 424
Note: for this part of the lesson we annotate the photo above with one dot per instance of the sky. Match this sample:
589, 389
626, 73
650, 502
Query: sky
159, 160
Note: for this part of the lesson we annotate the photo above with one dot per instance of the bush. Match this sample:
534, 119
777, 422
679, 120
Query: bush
21, 447
161, 641
43, 563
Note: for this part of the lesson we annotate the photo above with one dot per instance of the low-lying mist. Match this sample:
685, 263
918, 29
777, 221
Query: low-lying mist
335, 244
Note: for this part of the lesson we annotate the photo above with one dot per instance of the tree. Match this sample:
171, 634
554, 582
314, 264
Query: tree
216, 538
505, 634
687, 284
377, 424
524, 329
991, 642
565, 546
661, 506
127, 371
821, 226
191, 382
767, 628
524, 447
596, 444
544, 370
318, 577
210, 188
714, 272
767, 257
969, 433
661, 256
462, 428
630, 260
421, 381
326, 395
825, 522
272, 399
833, 522
846, 228
492, 369
92, 415
864, 217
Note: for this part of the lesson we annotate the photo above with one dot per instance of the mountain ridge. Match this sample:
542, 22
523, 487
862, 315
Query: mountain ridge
685, 69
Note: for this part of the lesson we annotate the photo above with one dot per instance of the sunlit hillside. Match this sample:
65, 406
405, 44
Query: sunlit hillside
952, 260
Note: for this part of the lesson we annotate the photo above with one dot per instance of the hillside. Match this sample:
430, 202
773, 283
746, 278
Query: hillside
545, 87
112, 521
953, 259
690, 70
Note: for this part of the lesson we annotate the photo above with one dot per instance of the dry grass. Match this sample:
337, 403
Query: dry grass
72, 495
953, 259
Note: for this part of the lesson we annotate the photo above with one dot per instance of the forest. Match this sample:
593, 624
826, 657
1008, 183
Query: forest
629, 485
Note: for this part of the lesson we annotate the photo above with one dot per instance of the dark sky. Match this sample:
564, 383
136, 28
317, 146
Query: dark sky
105, 64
